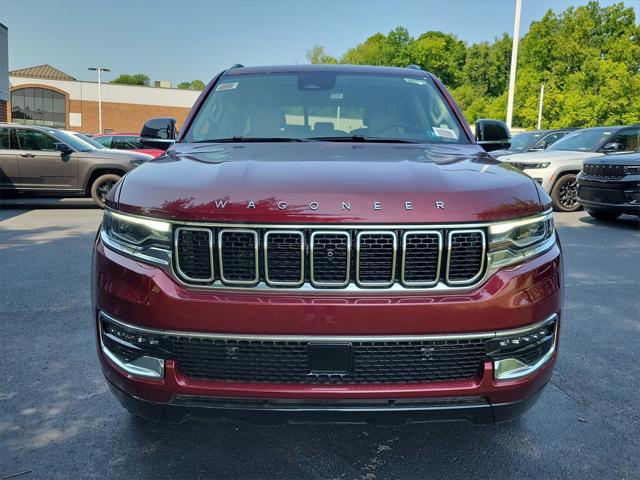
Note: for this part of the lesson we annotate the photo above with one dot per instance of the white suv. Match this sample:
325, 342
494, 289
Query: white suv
556, 167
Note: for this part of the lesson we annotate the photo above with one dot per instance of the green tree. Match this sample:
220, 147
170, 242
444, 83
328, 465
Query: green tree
192, 85
134, 79
441, 54
317, 55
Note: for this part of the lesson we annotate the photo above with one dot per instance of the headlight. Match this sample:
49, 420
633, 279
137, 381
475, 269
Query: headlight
144, 238
528, 166
632, 170
514, 241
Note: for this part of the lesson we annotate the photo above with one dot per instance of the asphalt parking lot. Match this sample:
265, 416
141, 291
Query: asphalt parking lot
57, 419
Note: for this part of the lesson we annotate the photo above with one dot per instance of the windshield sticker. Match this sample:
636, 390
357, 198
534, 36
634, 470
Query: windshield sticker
445, 133
417, 81
227, 86
336, 96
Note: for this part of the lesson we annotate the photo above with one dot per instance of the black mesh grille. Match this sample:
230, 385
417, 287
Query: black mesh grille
194, 254
421, 257
330, 253
288, 362
603, 170
466, 259
376, 252
238, 256
284, 257
604, 195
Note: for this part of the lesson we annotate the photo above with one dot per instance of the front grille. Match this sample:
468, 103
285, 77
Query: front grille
280, 257
288, 361
603, 170
466, 256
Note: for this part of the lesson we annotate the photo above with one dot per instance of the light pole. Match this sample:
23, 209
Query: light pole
540, 106
514, 62
99, 70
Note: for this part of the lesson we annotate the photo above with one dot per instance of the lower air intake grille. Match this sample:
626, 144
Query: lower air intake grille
466, 256
288, 361
193, 247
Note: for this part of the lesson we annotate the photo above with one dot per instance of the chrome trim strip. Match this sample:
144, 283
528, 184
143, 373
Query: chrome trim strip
345, 226
177, 250
256, 241
348, 259
404, 258
392, 280
266, 259
482, 258
332, 338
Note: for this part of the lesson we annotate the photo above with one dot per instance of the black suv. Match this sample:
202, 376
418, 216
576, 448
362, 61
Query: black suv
609, 187
45, 160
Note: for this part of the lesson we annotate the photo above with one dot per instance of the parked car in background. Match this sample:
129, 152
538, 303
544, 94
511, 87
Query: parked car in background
608, 187
45, 160
533, 141
125, 141
556, 168
87, 138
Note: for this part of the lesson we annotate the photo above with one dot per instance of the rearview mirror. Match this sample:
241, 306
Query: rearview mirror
158, 133
492, 134
63, 148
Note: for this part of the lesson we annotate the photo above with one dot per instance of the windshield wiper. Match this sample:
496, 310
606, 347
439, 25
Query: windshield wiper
360, 138
240, 139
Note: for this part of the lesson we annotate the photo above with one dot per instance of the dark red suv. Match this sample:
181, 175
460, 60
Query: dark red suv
327, 243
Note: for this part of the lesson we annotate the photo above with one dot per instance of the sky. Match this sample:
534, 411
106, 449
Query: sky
184, 40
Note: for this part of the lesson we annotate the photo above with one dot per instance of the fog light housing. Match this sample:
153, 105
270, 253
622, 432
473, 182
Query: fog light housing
519, 354
138, 353
634, 196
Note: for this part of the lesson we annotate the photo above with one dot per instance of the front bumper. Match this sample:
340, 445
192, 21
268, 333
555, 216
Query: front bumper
621, 196
145, 296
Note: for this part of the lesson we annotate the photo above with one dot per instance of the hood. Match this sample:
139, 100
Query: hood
110, 154
328, 182
627, 159
549, 155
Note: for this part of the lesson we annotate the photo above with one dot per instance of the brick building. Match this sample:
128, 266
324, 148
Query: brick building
43, 95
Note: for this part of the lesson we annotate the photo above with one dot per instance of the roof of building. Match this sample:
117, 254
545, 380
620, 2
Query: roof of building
41, 71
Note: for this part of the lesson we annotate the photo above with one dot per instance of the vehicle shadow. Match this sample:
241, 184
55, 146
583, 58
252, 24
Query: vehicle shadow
625, 222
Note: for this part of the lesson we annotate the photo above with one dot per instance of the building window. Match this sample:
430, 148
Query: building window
38, 106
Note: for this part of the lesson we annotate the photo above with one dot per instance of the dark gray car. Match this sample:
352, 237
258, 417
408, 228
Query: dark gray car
35, 159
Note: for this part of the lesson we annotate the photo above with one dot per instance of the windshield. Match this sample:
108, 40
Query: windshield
522, 142
587, 140
326, 106
89, 140
75, 143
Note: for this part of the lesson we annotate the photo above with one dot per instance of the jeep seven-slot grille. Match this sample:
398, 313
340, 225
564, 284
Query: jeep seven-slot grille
603, 170
288, 361
280, 257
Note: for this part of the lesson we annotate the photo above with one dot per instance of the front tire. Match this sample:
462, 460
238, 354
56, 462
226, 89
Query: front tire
564, 194
102, 186
605, 215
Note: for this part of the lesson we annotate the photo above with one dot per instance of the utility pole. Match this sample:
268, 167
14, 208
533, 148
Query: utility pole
99, 70
540, 106
514, 62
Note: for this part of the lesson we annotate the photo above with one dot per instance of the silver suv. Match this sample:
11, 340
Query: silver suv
45, 160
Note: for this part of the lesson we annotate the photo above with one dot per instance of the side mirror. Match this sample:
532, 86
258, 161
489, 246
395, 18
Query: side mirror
611, 147
492, 134
63, 148
158, 133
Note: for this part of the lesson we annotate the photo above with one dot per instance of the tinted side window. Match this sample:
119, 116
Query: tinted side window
553, 137
106, 141
628, 140
126, 143
4, 139
35, 140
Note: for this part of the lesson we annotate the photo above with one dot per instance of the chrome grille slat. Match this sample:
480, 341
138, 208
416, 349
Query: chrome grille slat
604, 170
274, 256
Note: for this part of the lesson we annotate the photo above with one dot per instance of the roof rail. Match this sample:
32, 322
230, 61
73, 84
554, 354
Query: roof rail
414, 67
236, 65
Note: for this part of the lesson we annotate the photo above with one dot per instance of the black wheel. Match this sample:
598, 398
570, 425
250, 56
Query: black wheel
565, 194
102, 186
606, 215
